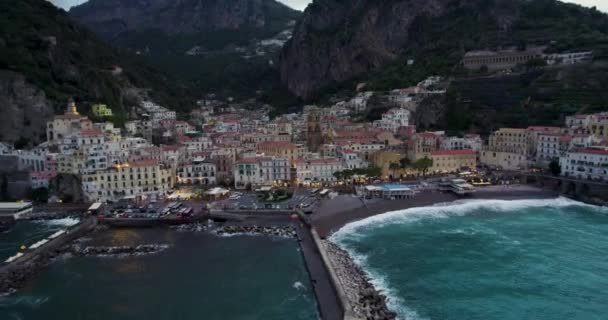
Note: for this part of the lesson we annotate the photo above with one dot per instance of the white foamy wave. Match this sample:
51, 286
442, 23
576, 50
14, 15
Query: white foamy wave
381, 284
445, 210
65, 222
298, 285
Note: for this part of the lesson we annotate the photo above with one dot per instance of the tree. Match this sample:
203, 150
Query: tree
394, 167
555, 167
423, 165
339, 175
405, 163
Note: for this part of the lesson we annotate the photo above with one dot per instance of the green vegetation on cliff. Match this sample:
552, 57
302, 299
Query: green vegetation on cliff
64, 60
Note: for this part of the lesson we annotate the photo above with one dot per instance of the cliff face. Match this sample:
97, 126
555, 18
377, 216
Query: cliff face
45, 59
336, 40
113, 19
25, 109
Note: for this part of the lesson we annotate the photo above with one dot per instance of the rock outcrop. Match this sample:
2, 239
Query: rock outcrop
25, 110
336, 40
67, 187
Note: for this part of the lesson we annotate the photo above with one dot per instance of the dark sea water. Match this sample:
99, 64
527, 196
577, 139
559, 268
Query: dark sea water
200, 277
27, 233
488, 260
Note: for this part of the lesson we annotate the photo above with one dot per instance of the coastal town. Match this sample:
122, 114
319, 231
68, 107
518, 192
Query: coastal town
222, 144
359, 203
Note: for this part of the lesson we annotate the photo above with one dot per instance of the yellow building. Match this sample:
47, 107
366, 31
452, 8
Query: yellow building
383, 160
445, 161
66, 124
130, 179
598, 125
282, 149
504, 160
101, 110
509, 140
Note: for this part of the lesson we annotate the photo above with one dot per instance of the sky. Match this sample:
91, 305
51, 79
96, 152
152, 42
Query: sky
301, 4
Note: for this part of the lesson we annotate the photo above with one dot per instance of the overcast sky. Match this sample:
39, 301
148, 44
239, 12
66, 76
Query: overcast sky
301, 4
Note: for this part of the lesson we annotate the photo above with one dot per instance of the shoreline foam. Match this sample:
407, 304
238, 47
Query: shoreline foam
343, 257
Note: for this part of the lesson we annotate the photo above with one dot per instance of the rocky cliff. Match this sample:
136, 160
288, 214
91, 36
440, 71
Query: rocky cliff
112, 17
25, 109
338, 40
129, 22
45, 59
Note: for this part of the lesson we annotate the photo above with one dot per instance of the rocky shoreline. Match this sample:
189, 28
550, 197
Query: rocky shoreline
366, 302
230, 230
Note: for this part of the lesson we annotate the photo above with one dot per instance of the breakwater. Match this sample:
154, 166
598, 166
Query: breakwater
364, 301
119, 251
15, 274
286, 231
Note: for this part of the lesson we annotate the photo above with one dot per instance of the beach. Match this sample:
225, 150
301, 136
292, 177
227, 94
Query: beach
363, 299
333, 214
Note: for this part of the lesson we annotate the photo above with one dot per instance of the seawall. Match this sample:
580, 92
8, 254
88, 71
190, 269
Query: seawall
345, 305
13, 275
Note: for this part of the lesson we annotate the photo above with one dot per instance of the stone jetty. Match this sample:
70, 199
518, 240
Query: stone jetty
121, 251
366, 302
229, 229
275, 231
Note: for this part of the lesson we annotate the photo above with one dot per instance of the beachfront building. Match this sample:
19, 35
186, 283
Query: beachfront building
389, 191
590, 164
511, 140
147, 177
319, 171
261, 171
551, 146
199, 171
503, 160
445, 161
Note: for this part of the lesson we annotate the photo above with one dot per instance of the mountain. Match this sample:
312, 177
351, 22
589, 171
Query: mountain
46, 58
337, 41
212, 23
223, 46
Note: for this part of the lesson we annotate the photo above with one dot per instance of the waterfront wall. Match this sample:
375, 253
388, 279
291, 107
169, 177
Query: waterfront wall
345, 305
17, 272
593, 192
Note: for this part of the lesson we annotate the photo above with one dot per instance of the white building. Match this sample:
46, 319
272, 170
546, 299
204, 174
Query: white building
591, 164
551, 146
318, 170
393, 119
261, 171
569, 58
147, 177
468, 142
199, 171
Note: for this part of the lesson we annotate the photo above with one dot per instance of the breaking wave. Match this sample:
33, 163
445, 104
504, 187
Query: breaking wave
356, 230
446, 210
64, 222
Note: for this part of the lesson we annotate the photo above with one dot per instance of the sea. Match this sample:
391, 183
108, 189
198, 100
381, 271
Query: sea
487, 259
200, 276
26, 233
